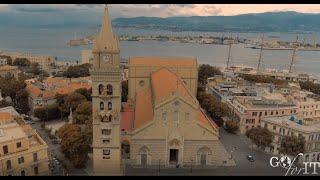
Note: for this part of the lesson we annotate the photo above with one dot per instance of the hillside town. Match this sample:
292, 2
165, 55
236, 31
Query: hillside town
150, 115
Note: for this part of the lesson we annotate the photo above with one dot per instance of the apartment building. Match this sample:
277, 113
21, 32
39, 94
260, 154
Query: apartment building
293, 126
22, 151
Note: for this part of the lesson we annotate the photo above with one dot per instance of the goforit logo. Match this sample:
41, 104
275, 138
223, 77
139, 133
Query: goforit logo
288, 164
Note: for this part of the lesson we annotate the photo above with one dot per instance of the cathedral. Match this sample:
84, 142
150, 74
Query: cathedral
162, 122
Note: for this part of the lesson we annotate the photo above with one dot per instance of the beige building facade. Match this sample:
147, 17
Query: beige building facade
22, 151
6, 69
293, 126
45, 61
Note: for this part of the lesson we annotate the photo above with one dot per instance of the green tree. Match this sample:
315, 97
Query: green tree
292, 145
124, 92
48, 112
83, 112
85, 92
263, 79
22, 101
74, 144
88, 130
232, 126
14, 88
72, 101
22, 62
4, 103
260, 136
77, 71
206, 71
35, 69
310, 86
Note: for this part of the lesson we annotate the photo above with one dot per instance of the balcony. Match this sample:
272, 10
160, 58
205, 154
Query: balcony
37, 162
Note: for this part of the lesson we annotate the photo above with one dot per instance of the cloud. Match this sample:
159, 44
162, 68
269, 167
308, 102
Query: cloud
155, 10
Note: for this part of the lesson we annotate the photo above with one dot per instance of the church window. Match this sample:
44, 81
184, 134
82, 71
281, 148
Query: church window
176, 103
164, 116
106, 141
106, 131
109, 89
110, 118
106, 154
176, 118
109, 105
101, 89
101, 106
187, 116
141, 83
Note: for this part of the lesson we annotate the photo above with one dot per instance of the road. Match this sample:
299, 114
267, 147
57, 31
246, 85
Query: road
54, 151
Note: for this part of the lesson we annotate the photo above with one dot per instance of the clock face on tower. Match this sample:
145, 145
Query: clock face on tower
107, 58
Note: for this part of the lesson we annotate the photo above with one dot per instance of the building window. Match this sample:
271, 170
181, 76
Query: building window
277, 112
254, 113
36, 170
271, 112
260, 114
101, 106
19, 145
106, 132
109, 90
265, 113
5, 149
35, 157
265, 125
282, 112
274, 127
106, 141
164, 116
141, 83
109, 105
176, 118
187, 116
21, 160
101, 89
9, 165
106, 154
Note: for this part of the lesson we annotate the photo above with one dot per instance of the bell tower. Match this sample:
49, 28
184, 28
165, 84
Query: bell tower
106, 101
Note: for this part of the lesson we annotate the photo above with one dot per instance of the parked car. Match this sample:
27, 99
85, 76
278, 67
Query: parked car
250, 158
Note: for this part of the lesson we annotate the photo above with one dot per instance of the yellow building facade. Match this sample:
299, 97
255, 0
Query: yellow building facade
22, 151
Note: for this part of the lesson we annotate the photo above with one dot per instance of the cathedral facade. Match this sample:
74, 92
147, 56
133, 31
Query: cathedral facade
161, 124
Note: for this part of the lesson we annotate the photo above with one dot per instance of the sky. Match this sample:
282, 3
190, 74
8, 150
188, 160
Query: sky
158, 10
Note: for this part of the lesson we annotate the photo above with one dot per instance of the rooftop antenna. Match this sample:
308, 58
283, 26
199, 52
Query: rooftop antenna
260, 55
295, 45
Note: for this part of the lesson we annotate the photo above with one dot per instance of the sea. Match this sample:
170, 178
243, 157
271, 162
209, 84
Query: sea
53, 41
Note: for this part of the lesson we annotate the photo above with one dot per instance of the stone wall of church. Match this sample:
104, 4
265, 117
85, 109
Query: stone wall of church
217, 156
156, 150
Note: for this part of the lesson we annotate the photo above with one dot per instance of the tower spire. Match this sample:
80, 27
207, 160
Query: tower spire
106, 41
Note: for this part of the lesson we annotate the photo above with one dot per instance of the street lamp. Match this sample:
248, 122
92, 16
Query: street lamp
159, 165
191, 165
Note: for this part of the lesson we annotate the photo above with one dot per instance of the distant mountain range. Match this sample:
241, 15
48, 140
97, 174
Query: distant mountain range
288, 21
269, 22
